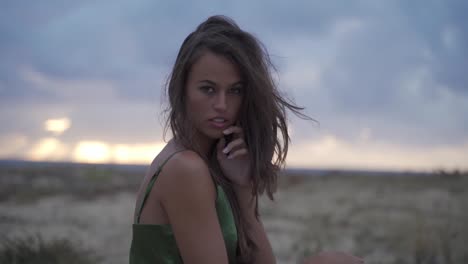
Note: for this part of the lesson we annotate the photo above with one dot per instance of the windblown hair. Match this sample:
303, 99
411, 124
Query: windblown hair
262, 115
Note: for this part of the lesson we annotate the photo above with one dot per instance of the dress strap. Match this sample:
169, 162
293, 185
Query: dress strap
151, 183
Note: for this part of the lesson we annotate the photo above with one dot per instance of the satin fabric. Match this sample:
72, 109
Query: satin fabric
156, 243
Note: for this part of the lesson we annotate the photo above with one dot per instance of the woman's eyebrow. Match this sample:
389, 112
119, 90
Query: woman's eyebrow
207, 81
238, 83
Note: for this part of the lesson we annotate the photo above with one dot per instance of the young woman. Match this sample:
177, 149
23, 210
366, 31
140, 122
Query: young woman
198, 202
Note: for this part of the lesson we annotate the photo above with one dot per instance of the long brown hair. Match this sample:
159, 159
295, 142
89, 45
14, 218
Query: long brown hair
262, 115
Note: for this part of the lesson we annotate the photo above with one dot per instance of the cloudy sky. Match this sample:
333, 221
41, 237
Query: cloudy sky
387, 80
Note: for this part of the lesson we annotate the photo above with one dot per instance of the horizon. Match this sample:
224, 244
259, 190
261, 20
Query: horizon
295, 170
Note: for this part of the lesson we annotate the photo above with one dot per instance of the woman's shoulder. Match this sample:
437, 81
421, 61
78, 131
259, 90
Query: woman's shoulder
186, 168
185, 160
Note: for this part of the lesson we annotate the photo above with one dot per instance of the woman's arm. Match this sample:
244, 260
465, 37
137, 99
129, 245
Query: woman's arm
188, 198
247, 205
235, 163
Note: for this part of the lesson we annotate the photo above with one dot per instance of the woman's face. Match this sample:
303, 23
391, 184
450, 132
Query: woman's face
214, 95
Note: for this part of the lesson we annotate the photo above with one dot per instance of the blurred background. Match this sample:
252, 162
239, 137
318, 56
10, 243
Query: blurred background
82, 84
83, 80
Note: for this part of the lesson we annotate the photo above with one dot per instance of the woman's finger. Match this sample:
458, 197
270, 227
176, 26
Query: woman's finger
238, 153
234, 129
235, 144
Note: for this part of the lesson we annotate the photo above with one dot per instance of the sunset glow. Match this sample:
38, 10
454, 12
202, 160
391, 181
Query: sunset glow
12, 145
92, 152
48, 149
327, 152
57, 126
332, 152
102, 152
136, 154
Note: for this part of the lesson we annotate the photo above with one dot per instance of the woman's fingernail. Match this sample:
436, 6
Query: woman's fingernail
225, 150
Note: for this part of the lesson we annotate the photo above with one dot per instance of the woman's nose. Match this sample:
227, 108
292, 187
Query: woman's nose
220, 103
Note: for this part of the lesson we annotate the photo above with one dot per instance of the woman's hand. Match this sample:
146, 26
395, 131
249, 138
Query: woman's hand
234, 158
333, 258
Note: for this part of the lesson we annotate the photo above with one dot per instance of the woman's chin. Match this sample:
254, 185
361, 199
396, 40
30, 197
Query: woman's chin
217, 135
213, 135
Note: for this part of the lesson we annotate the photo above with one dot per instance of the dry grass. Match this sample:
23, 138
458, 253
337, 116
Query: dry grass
385, 219
394, 219
33, 249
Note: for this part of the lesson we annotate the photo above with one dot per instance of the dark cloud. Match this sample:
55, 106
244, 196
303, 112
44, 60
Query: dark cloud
384, 76
445, 33
396, 69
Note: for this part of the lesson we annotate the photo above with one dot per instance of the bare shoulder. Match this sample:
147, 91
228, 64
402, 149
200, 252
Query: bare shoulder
188, 193
186, 166
186, 173
188, 159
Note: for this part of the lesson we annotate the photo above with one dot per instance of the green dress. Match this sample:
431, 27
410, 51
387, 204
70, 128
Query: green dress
153, 243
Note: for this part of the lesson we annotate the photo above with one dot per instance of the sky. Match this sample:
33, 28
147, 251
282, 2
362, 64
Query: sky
387, 81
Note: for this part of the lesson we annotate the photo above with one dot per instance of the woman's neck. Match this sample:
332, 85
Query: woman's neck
201, 144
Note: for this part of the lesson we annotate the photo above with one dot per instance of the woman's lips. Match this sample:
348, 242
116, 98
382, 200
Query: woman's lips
218, 123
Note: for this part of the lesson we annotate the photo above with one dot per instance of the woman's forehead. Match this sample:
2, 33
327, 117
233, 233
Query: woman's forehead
215, 68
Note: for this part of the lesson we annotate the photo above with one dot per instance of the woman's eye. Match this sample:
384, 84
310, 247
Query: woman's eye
236, 90
207, 89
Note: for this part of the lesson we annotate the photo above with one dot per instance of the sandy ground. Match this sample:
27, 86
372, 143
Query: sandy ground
402, 219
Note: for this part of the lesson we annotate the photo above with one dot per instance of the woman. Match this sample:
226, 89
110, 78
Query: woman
226, 117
